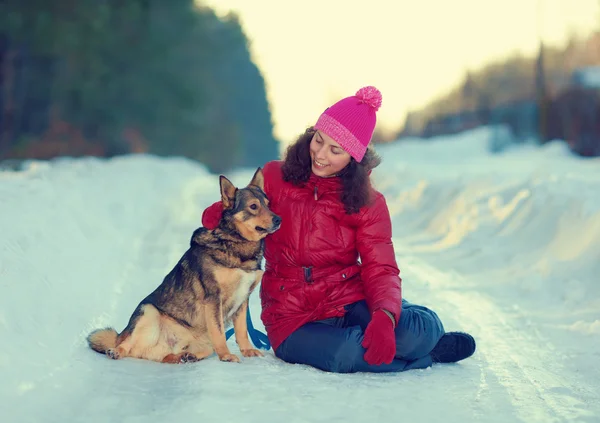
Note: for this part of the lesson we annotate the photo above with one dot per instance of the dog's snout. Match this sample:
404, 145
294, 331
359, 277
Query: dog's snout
276, 220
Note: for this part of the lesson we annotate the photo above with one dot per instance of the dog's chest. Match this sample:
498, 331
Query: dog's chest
241, 292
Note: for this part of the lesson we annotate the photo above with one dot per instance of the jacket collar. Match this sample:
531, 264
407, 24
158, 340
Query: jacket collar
323, 185
333, 183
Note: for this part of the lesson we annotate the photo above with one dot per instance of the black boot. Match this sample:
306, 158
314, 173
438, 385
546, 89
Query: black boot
453, 347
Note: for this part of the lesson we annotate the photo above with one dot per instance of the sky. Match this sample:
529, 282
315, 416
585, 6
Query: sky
314, 52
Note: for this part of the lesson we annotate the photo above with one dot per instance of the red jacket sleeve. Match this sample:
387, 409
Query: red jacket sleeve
379, 270
212, 214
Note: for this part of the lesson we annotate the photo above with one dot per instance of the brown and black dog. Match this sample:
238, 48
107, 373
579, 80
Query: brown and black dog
184, 319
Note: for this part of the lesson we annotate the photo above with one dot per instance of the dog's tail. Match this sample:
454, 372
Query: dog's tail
101, 340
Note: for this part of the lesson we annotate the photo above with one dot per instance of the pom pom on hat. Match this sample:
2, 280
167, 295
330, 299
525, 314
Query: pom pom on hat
351, 121
370, 96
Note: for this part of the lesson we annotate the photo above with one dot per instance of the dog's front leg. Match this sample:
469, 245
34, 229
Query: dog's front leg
240, 327
216, 332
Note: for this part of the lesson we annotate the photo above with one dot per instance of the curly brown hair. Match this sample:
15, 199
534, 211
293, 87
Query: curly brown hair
357, 190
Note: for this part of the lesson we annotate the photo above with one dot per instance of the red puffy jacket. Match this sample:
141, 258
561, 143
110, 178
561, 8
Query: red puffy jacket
312, 262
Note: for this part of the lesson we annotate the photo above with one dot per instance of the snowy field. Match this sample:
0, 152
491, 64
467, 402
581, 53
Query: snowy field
505, 246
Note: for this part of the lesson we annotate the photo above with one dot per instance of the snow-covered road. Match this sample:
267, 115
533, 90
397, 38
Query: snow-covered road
83, 241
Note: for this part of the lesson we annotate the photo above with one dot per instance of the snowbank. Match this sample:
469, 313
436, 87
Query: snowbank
527, 220
71, 234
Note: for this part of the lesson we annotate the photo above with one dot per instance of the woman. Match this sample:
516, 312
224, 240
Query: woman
331, 292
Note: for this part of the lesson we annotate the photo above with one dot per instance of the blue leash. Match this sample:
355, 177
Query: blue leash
258, 338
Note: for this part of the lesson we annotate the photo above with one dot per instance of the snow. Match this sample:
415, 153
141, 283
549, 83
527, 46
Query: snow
588, 76
505, 246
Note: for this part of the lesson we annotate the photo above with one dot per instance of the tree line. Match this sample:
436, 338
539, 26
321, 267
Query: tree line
112, 77
543, 95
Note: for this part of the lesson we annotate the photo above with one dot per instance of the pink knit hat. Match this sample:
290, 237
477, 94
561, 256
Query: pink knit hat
351, 121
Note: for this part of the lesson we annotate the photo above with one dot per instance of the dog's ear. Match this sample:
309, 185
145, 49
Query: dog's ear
258, 180
228, 191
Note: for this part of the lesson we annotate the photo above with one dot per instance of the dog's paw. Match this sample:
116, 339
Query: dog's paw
113, 353
232, 358
188, 358
252, 352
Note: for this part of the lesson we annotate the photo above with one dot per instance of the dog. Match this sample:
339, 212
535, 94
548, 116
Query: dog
183, 320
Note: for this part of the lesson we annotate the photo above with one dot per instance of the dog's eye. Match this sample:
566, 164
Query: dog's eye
253, 207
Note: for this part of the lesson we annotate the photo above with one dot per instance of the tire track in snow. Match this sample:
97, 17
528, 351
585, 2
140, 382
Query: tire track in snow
525, 365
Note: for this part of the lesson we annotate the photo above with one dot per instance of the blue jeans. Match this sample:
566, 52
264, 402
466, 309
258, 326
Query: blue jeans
334, 345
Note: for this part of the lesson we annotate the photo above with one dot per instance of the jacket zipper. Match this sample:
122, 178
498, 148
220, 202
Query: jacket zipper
302, 238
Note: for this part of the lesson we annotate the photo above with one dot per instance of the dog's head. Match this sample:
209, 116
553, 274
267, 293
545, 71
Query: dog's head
247, 209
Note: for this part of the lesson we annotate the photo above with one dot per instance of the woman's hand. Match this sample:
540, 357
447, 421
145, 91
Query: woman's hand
380, 339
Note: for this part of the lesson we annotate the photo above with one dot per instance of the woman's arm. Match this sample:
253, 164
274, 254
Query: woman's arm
212, 214
379, 270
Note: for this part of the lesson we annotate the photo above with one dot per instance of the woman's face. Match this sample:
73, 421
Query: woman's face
328, 158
